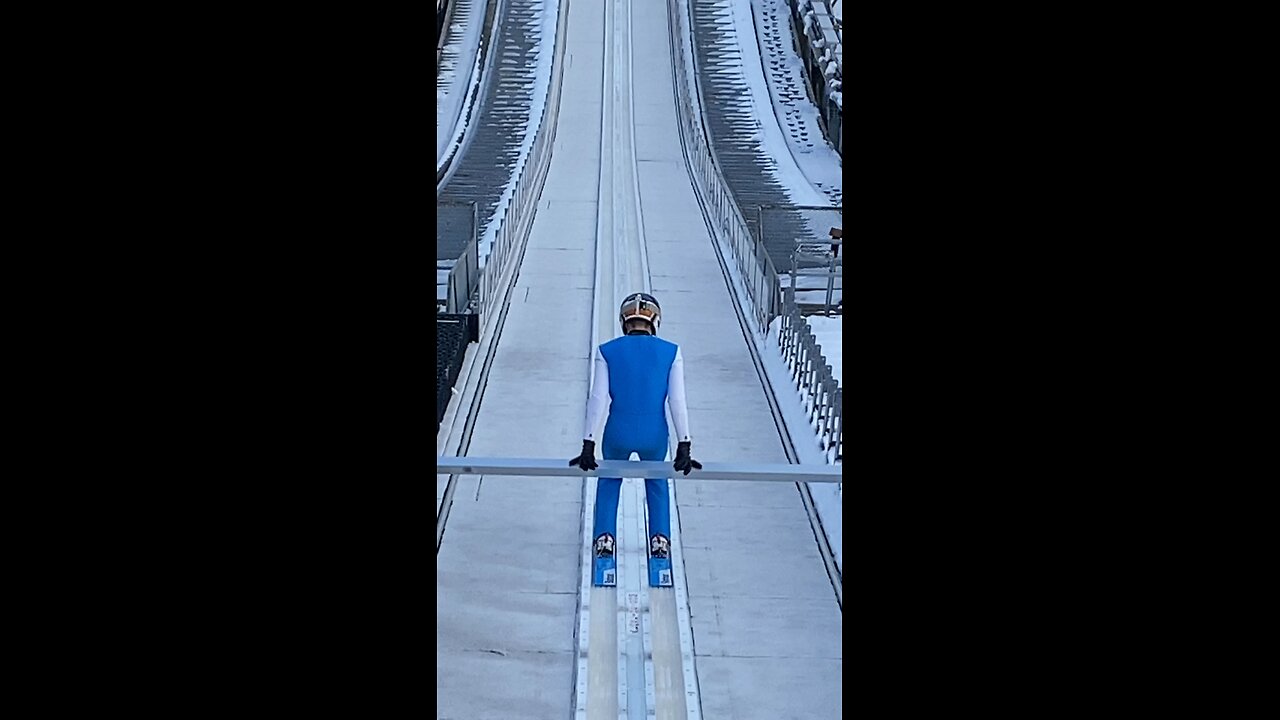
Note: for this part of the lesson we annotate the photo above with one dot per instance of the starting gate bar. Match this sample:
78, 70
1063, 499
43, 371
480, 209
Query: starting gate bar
542, 467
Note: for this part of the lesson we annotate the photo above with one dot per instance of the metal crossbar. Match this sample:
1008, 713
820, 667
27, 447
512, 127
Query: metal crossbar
540, 467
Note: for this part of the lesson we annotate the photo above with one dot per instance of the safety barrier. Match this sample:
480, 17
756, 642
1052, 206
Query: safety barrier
812, 376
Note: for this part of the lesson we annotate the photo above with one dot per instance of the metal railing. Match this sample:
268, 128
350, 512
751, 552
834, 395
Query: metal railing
812, 248
812, 376
827, 266
758, 272
542, 467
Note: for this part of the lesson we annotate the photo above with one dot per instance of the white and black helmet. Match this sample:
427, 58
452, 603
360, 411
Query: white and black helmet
641, 306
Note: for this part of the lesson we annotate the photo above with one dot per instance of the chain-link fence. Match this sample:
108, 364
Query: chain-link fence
457, 256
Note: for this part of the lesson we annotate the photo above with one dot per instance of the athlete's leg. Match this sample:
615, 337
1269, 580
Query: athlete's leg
606, 519
604, 543
657, 497
659, 504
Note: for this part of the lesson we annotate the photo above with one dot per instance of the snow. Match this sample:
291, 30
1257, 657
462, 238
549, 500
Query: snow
542, 85
792, 404
814, 29
749, 67
821, 164
520, 371
818, 162
827, 331
798, 178
456, 92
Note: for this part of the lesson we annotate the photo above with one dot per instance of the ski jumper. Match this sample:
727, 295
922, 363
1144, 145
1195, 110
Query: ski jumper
639, 374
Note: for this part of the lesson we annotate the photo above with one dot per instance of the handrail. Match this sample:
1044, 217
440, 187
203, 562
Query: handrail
812, 376
542, 467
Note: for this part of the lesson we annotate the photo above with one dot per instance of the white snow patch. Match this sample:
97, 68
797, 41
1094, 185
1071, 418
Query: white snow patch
819, 163
538, 101
773, 140
456, 91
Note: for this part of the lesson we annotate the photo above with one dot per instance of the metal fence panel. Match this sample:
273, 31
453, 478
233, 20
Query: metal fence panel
463, 280
819, 42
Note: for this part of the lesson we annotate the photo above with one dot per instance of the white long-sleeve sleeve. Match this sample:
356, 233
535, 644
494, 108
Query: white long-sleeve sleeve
675, 398
598, 402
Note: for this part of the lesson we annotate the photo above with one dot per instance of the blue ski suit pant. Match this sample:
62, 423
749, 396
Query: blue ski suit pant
646, 436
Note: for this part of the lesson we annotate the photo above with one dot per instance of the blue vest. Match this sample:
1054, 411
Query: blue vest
639, 366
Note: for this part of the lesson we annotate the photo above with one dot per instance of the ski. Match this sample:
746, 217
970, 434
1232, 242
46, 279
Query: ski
606, 574
606, 565
660, 561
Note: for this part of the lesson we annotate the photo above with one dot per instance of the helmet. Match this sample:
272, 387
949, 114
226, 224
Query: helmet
642, 306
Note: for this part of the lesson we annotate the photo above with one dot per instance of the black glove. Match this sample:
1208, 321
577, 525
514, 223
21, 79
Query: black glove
587, 460
683, 461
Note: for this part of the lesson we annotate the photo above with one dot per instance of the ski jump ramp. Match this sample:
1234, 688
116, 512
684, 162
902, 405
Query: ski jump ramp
752, 628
